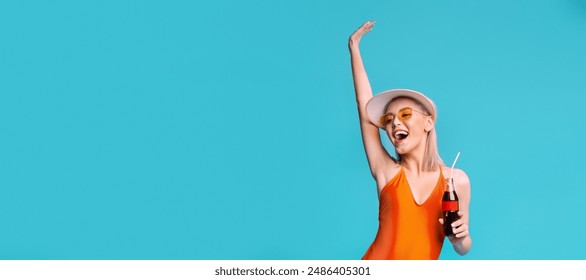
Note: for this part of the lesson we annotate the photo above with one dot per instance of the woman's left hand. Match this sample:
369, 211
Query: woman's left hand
459, 227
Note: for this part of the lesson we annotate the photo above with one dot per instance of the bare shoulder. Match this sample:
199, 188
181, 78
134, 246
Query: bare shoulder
461, 180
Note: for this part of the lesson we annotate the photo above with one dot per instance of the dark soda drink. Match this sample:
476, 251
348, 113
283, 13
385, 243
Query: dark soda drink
450, 206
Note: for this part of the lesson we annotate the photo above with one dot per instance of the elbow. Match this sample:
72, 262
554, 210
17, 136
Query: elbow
463, 253
465, 248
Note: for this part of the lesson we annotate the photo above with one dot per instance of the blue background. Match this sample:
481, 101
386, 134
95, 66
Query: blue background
228, 129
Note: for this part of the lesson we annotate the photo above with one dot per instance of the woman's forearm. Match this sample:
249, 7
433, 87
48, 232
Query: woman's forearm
361, 83
463, 245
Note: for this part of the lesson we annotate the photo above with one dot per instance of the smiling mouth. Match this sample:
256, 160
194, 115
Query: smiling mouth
400, 135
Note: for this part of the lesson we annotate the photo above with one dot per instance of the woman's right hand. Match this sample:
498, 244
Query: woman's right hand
357, 35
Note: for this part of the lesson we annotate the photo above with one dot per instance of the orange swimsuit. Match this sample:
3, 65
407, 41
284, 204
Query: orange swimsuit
407, 230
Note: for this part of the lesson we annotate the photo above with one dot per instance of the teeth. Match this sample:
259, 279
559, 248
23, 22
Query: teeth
401, 134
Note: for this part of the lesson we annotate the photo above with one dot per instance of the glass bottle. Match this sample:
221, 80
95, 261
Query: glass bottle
450, 206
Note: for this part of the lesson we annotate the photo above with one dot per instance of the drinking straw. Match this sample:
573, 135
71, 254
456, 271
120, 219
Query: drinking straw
453, 164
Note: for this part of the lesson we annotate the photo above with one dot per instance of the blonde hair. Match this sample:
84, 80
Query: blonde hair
431, 158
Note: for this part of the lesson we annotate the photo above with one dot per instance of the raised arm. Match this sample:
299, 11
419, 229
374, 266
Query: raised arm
375, 152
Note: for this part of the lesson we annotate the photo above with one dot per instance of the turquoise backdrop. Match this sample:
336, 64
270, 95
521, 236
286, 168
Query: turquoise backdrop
228, 129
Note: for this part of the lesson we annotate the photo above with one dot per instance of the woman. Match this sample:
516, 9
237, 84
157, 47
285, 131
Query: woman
410, 186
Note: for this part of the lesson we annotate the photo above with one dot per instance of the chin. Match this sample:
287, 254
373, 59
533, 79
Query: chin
400, 151
403, 149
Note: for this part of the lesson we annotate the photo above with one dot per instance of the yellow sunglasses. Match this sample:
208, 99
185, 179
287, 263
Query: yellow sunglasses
403, 115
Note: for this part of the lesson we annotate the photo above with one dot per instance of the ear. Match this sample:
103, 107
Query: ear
428, 124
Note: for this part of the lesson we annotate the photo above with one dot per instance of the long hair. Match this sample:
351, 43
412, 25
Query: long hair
431, 158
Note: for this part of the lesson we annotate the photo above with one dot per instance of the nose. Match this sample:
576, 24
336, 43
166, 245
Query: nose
395, 122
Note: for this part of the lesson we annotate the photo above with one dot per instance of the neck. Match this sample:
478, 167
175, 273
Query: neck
413, 163
413, 160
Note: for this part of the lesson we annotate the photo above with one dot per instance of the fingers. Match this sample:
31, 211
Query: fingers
461, 231
460, 228
459, 221
368, 23
357, 35
367, 26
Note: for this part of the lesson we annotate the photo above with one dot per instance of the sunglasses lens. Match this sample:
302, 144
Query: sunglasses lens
405, 114
386, 118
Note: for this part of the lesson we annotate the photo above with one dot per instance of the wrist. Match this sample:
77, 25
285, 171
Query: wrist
353, 44
461, 245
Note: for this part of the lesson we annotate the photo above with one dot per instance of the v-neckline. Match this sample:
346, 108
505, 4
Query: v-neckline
430, 193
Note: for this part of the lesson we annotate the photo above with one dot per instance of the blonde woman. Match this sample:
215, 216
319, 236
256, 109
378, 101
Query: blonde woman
409, 186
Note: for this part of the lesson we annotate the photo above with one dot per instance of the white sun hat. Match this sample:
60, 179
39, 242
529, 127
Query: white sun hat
377, 105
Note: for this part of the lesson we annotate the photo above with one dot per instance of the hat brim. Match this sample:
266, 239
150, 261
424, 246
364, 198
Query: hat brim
377, 105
